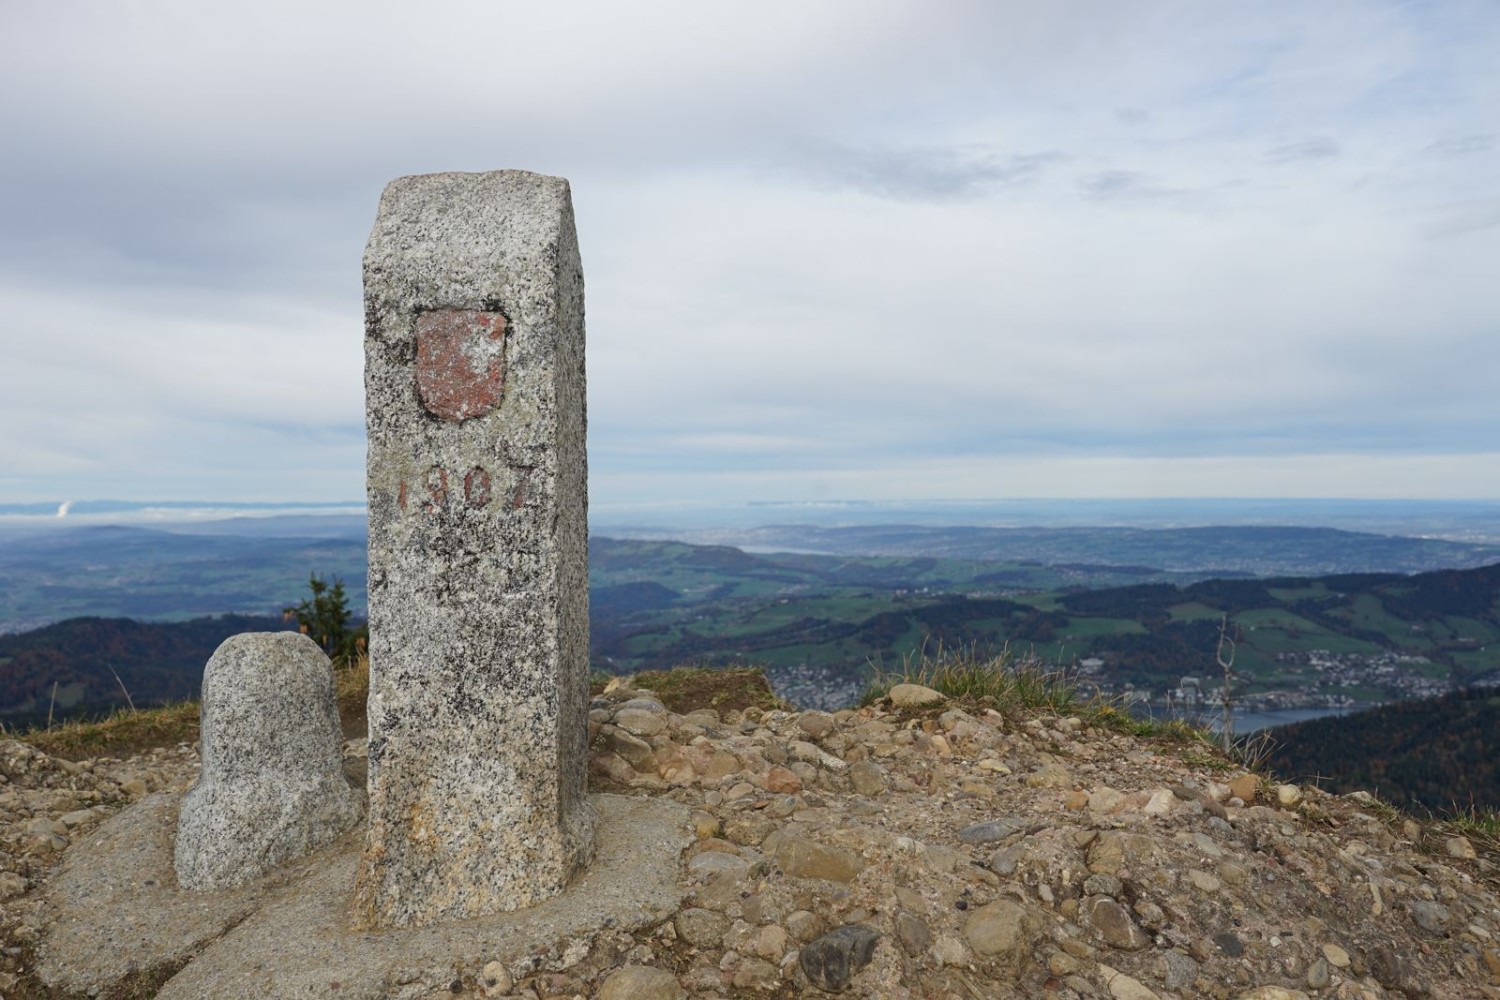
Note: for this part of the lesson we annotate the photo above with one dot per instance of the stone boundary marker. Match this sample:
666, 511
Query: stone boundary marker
272, 787
478, 561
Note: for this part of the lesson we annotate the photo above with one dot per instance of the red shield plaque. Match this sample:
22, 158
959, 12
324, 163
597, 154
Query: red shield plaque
460, 362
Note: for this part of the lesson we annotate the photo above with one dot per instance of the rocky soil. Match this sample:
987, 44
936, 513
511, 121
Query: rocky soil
47, 803
924, 851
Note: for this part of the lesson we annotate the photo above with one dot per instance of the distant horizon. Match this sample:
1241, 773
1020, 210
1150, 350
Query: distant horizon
1434, 517
72, 507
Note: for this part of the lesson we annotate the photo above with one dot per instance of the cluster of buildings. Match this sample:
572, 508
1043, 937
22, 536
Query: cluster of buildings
1329, 680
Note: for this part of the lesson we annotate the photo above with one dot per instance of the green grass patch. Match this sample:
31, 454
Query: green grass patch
1480, 824
1004, 682
1194, 611
1469, 628
126, 731
1089, 627
119, 734
1279, 618
1298, 593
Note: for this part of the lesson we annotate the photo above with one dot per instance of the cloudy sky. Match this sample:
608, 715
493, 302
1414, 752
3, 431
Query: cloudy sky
844, 249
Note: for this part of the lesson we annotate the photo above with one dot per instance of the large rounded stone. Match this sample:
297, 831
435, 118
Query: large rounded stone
272, 786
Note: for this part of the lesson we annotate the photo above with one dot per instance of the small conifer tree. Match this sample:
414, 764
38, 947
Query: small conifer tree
326, 618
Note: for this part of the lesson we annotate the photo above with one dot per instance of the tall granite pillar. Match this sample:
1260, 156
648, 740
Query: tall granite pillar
477, 483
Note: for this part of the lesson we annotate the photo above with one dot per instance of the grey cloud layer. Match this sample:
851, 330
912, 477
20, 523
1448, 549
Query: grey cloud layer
824, 243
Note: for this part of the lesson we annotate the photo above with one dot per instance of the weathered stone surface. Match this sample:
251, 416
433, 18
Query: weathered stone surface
272, 786
808, 859
641, 982
117, 910
495, 980
1433, 918
477, 475
1114, 924
1306, 884
1460, 847
989, 832
913, 932
868, 778
1337, 957
1001, 930
833, 959
1123, 987
815, 724
1244, 787
700, 927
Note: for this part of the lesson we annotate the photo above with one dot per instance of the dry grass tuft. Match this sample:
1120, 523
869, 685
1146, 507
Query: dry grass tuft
686, 689
128, 731
1004, 682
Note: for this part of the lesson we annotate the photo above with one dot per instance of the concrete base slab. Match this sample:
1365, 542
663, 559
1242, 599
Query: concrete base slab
117, 912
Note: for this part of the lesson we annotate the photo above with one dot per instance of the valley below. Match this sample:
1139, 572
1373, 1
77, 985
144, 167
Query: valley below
1320, 620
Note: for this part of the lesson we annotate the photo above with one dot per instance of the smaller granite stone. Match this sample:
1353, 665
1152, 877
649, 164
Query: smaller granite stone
1387, 967
833, 959
1050, 775
640, 721
770, 943
755, 974
1003, 861
12, 885
1204, 881
713, 862
272, 786
1179, 970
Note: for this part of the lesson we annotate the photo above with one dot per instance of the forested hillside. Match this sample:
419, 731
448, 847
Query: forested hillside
1341, 639
82, 656
1437, 753
817, 623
